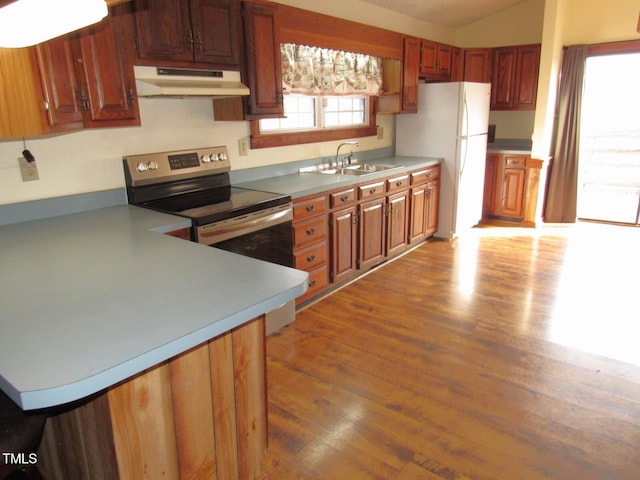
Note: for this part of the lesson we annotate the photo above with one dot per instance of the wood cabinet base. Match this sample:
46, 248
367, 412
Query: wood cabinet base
201, 414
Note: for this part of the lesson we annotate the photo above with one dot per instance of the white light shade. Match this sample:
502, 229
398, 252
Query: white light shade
28, 22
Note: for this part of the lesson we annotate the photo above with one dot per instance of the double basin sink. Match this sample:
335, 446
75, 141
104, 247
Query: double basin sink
353, 169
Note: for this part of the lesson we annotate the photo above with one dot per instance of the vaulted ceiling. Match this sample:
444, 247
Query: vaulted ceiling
447, 13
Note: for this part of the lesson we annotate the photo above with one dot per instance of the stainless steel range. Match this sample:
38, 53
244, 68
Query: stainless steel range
196, 184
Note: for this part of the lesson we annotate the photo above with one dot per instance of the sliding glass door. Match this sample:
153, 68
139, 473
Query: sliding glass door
609, 172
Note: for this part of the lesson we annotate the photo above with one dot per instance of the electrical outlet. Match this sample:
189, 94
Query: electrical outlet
29, 170
243, 147
380, 132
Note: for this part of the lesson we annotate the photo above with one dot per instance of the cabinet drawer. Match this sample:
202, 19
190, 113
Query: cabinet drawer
309, 231
426, 175
515, 162
318, 280
345, 197
397, 183
309, 207
312, 257
371, 190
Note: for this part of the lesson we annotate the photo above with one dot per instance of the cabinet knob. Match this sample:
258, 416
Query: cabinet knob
312, 283
428, 174
398, 184
344, 198
311, 208
311, 258
372, 191
311, 231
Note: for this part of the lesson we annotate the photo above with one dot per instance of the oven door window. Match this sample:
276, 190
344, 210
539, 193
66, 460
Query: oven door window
273, 244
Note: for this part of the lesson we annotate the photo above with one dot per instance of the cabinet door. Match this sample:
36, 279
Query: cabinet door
418, 214
432, 208
105, 75
504, 68
263, 61
397, 222
56, 65
491, 176
526, 82
371, 233
343, 244
410, 66
477, 65
216, 31
513, 182
428, 58
163, 29
443, 61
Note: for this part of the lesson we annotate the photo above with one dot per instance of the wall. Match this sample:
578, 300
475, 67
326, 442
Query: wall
519, 25
370, 14
91, 160
571, 22
595, 21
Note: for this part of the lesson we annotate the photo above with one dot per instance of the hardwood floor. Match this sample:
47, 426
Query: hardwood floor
491, 357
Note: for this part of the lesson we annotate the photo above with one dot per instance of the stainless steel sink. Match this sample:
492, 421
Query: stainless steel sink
355, 169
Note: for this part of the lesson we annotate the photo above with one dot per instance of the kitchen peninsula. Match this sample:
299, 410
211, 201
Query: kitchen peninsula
145, 350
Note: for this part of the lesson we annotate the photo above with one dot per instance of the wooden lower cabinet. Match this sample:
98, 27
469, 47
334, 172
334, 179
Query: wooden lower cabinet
201, 414
344, 243
371, 233
310, 246
424, 204
511, 188
373, 221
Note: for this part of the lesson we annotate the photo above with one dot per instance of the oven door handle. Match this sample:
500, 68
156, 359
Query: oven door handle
225, 230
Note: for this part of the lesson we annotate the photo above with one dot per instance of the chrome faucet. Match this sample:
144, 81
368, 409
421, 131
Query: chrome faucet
357, 144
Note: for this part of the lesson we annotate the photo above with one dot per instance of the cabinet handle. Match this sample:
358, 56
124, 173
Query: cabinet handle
311, 258
190, 40
428, 174
311, 208
372, 191
312, 283
311, 231
84, 101
398, 184
344, 198
198, 42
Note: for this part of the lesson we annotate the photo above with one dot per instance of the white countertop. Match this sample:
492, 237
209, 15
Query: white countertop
90, 299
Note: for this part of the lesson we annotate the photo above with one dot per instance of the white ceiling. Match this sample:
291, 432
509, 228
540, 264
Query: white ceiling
447, 13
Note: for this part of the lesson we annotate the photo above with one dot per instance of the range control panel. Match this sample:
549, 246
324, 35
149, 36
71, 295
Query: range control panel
162, 167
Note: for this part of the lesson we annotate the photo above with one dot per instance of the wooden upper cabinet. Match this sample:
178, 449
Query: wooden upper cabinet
515, 77
183, 32
435, 60
264, 72
56, 66
410, 70
477, 65
104, 72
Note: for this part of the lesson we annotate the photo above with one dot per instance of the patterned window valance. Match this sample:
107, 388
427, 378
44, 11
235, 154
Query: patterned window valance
320, 71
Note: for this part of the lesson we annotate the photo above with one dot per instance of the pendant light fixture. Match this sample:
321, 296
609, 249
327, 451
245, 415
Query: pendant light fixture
28, 22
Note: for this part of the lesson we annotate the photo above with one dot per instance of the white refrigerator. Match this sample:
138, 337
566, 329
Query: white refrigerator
452, 123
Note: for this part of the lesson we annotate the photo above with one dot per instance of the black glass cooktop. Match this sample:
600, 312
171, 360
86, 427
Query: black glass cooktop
217, 204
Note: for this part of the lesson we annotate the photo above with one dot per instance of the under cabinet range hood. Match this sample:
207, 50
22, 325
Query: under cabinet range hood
187, 82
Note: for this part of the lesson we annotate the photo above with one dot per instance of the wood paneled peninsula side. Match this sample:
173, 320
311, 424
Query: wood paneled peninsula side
146, 351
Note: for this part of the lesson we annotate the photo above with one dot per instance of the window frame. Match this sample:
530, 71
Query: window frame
268, 140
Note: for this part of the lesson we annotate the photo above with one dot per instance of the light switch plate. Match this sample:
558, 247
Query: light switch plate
29, 170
